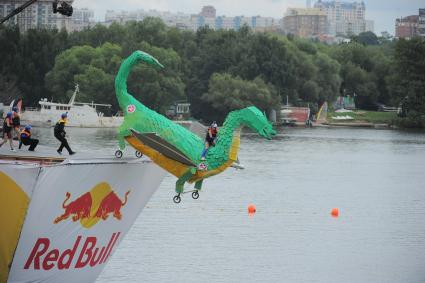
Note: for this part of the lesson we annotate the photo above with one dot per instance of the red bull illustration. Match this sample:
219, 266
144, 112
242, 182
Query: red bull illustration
111, 203
92, 206
79, 208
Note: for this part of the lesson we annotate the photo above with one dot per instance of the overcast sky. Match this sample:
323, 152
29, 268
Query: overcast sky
383, 12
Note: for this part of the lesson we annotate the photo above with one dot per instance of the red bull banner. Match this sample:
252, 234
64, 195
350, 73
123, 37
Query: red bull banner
77, 216
17, 183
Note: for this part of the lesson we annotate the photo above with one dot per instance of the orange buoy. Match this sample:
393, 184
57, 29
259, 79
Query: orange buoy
335, 212
251, 209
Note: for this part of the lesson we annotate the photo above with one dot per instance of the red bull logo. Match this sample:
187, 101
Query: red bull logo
90, 254
89, 208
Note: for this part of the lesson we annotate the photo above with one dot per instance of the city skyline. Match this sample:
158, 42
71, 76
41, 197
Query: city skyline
383, 14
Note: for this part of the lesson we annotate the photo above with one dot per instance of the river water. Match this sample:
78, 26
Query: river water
375, 177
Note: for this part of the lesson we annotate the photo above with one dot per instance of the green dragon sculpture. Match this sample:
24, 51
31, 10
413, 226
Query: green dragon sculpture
172, 146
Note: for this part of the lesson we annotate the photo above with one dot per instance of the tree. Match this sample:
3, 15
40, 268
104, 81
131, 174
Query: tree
93, 68
8, 89
407, 82
151, 30
363, 73
227, 93
96, 85
158, 88
328, 78
27, 57
310, 91
366, 38
9, 52
47, 63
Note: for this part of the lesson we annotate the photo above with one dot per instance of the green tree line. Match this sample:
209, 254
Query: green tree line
216, 71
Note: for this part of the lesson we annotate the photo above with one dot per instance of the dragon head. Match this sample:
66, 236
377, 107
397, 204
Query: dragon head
256, 120
148, 59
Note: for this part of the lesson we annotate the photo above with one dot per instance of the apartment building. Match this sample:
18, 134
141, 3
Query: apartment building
38, 15
305, 22
344, 18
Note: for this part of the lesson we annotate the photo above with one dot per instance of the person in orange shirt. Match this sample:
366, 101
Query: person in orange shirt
27, 140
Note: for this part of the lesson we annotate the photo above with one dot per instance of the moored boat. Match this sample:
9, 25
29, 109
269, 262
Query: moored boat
84, 115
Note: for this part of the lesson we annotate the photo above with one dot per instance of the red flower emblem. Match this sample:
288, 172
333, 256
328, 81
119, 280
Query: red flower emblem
202, 166
131, 108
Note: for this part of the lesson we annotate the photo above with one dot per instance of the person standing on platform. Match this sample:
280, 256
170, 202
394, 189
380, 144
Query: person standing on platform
16, 121
59, 132
7, 131
27, 140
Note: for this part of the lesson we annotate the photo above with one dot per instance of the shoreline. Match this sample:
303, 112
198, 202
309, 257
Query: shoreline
360, 125
382, 126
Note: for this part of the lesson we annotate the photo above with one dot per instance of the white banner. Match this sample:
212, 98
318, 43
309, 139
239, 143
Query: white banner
24, 175
16, 186
78, 215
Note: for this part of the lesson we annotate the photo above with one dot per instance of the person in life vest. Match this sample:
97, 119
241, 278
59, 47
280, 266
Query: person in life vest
59, 132
27, 140
16, 121
210, 139
7, 130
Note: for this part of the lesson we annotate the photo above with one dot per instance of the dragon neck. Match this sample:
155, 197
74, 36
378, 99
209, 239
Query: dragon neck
124, 98
225, 134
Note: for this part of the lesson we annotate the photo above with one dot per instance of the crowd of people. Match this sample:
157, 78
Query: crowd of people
12, 126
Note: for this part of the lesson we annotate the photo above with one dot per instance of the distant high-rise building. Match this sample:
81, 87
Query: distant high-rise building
407, 27
370, 26
344, 18
305, 22
421, 24
38, 15
208, 12
308, 4
195, 21
223, 22
123, 16
81, 19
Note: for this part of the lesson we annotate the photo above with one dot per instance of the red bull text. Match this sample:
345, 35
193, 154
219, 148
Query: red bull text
90, 255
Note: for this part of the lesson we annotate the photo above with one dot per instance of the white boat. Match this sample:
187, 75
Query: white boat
62, 218
84, 115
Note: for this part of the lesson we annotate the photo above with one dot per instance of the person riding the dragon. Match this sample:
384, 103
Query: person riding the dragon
210, 139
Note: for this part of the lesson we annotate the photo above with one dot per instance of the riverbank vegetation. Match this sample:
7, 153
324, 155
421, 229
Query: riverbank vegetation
364, 116
216, 71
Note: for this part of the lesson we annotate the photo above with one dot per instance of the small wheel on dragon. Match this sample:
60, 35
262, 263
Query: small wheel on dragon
138, 154
195, 195
177, 199
118, 153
